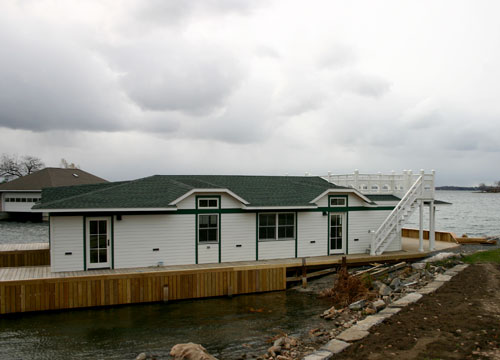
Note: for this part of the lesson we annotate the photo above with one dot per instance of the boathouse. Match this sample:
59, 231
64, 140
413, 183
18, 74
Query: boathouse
179, 220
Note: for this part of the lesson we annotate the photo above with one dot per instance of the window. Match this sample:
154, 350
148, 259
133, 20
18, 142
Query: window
208, 228
208, 203
276, 226
338, 202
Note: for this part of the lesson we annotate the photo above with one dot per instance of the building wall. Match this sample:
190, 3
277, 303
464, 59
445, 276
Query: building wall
174, 237
279, 249
238, 237
18, 206
360, 222
313, 234
66, 236
135, 237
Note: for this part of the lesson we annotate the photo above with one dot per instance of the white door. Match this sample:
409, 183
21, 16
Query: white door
208, 238
337, 233
98, 243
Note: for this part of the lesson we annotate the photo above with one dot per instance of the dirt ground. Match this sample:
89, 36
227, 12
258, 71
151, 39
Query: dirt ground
461, 320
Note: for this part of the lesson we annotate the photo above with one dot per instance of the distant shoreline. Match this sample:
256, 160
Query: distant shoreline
458, 188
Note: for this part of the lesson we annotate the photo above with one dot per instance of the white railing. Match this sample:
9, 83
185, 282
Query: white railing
382, 238
395, 184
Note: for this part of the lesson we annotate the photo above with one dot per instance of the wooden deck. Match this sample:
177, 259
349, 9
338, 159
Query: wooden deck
36, 288
24, 289
32, 254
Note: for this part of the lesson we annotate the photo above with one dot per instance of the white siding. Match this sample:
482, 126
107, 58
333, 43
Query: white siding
208, 253
19, 206
227, 201
238, 229
353, 200
278, 249
313, 234
66, 236
135, 237
359, 224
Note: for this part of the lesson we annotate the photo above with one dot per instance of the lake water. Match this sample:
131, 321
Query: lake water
222, 325
474, 214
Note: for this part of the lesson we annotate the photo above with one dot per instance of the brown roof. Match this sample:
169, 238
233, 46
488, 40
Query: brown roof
51, 177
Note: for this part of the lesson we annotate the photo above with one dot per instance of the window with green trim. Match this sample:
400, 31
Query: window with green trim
276, 226
208, 203
338, 202
208, 228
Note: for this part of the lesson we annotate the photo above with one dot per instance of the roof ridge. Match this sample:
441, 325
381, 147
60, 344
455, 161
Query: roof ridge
95, 191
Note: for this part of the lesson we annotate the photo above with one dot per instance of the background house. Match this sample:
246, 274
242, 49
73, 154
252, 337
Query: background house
19, 195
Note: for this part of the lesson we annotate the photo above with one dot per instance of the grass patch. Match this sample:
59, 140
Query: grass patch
491, 256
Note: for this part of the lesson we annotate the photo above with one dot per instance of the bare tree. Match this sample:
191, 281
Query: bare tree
12, 167
66, 165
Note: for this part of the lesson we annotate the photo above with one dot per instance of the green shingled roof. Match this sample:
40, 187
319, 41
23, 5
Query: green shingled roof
160, 190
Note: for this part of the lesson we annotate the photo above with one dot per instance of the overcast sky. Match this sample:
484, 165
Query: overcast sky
133, 88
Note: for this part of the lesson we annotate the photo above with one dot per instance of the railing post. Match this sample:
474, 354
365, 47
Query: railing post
421, 227
433, 184
409, 178
329, 176
422, 187
373, 245
356, 176
432, 225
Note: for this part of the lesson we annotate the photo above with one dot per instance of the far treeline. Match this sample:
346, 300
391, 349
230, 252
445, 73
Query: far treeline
495, 188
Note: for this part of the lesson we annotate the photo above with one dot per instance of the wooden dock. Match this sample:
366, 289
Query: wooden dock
32, 254
24, 289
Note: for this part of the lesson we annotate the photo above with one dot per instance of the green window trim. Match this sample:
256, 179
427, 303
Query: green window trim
276, 226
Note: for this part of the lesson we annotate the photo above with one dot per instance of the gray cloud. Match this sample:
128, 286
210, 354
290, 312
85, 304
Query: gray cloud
49, 83
365, 85
173, 12
337, 56
174, 75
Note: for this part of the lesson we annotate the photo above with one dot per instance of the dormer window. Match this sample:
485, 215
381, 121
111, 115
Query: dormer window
208, 203
337, 201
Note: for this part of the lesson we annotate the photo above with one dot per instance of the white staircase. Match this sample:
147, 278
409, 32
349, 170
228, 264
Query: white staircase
391, 227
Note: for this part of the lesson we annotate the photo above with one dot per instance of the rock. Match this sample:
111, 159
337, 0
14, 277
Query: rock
407, 300
376, 284
353, 334
411, 279
319, 355
384, 290
370, 311
395, 283
281, 357
190, 351
141, 356
358, 305
335, 346
418, 265
274, 350
279, 342
293, 342
378, 305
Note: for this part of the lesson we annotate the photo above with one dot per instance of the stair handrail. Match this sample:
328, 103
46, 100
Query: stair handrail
389, 220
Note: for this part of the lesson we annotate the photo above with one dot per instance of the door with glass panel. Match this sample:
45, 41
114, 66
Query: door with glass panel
98, 243
337, 233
